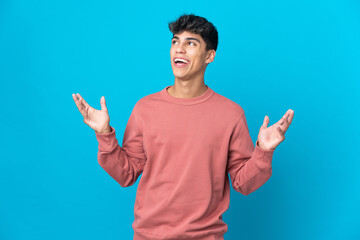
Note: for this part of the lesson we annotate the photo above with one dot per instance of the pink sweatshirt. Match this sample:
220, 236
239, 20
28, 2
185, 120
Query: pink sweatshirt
184, 148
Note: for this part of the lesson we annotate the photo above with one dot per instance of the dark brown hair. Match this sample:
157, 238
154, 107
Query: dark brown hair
198, 25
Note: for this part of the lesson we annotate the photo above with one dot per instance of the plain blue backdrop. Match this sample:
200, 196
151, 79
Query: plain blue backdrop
272, 56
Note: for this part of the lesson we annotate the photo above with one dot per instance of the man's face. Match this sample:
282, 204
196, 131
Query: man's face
189, 56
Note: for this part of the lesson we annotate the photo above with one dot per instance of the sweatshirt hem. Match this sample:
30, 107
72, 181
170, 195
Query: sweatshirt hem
143, 235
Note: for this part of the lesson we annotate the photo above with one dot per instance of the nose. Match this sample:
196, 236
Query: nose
180, 48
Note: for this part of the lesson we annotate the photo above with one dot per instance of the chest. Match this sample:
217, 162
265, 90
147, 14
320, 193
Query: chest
185, 130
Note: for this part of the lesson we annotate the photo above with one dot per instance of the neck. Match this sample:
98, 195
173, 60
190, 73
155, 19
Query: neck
187, 88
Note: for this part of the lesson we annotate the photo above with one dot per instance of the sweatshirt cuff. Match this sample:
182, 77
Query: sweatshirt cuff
107, 141
263, 157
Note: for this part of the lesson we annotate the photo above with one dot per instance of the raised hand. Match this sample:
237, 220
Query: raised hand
96, 119
270, 137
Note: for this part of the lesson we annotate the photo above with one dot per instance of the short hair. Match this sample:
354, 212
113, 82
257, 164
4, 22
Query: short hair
198, 25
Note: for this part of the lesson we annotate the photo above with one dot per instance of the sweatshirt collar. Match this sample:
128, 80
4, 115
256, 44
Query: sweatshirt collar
187, 101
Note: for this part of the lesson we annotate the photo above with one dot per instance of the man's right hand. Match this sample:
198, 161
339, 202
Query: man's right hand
96, 119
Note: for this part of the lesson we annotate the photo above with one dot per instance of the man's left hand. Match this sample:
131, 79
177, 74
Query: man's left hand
270, 137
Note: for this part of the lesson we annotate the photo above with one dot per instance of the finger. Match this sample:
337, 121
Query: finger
80, 105
85, 107
82, 100
282, 120
286, 116
285, 126
281, 131
290, 117
266, 122
76, 97
103, 103
288, 120
77, 101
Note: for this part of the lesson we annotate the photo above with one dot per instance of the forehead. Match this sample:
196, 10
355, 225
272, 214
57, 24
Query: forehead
186, 34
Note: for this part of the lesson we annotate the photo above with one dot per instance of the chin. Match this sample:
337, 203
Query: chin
178, 74
181, 76
181, 73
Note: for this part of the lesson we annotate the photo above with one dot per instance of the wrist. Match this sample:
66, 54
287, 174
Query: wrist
260, 145
105, 130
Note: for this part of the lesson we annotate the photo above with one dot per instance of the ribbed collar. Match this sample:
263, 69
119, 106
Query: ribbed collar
187, 101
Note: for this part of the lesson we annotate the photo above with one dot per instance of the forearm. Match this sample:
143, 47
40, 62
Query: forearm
120, 164
254, 172
121, 167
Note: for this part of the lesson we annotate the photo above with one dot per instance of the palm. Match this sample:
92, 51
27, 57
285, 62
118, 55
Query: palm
96, 119
270, 137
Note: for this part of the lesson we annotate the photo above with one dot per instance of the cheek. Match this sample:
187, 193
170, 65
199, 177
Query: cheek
171, 54
198, 61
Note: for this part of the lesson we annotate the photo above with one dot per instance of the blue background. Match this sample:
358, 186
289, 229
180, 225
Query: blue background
272, 56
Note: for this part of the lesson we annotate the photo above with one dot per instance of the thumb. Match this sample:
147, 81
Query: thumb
266, 122
103, 103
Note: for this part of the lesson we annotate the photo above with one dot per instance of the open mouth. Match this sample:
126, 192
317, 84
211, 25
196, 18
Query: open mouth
181, 62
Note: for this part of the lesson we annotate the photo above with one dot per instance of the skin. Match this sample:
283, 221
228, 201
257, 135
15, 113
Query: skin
96, 119
189, 80
270, 137
189, 83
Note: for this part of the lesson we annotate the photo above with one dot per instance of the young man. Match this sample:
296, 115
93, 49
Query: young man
184, 140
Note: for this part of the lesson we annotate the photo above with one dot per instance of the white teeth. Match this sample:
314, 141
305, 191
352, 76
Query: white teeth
181, 60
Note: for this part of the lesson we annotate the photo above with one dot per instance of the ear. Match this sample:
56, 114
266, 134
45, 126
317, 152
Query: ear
211, 55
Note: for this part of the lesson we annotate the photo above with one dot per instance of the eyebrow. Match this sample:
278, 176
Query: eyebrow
189, 38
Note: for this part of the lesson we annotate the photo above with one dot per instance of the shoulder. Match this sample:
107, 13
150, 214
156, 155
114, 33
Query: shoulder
229, 107
145, 102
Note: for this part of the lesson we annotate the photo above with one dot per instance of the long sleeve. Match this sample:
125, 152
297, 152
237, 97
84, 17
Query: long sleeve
124, 164
249, 167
